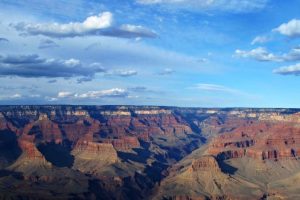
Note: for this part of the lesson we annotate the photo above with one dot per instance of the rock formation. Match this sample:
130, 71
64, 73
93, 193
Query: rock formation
140, 152
260, 140
205, 164
91, 157
31, 161
124, 143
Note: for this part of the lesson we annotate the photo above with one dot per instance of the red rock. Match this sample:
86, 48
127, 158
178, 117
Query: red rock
260, 140
124, 143
92, 150
77, 130
5, 125
50, 131
151, 124
29, 149
205, 163
92, 157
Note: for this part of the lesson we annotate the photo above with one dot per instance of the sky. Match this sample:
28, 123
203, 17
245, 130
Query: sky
189, 53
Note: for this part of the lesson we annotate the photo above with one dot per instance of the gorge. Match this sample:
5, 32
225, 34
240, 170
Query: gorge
148, 152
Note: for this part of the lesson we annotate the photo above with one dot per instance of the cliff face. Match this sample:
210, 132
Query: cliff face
29, 149
260, 140
205, 163
91, 157
143, 123
49, 129
124, 143
31, 161
129, 152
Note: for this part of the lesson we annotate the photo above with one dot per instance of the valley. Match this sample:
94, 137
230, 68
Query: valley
148, 152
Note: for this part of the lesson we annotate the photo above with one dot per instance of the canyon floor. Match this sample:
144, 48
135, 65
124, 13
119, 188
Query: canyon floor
149, 152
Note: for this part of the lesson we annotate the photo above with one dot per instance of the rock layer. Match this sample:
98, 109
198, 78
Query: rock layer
259, 140
129, 152
91, 157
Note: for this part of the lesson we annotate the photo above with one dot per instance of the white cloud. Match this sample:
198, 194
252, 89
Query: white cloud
293, 55
207, 5
101, 24
260, 54
65, 94
291, 29
288, 70
133, 28
103, 20
90, 25
260, 40
114, 92
16, 96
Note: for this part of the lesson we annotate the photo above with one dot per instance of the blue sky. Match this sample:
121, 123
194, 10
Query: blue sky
206, 53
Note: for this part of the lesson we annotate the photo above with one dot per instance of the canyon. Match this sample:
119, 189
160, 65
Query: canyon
148, 152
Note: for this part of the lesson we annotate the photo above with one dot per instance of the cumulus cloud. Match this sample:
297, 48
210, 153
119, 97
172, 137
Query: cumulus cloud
293, 55
101, 24
110, 93
290, 29
207, 5
46, 43
260, 54
91, 25
260, 40
288, 70
35, 66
